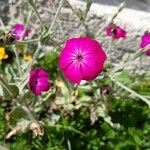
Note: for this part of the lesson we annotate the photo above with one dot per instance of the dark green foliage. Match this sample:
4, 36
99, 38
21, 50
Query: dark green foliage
134, 133
2, 125
50, 63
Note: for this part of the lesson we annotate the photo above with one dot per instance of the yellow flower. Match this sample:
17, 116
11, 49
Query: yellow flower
3, 54
27, 57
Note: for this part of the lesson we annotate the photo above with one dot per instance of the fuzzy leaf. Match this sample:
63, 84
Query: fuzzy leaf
123, 77
88, 5
17, 114
9, 91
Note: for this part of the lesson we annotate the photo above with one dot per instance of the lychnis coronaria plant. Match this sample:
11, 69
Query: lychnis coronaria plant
114, 31
145, 41
39, 81
20, 31
82, 59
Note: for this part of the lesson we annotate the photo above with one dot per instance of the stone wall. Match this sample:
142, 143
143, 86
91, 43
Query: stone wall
135, 21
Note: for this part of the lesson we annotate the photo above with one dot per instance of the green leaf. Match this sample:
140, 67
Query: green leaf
123, 77
80, 14
9, 91
46, 35
31, 2
88, 5
135, 134
17, 114
14, 89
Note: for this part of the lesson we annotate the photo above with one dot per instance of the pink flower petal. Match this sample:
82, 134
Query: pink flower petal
145, 40
66, 57
37, 90
73, 73
81, 59
91, 69
39, 81
108, 30
20, 31
147, 52
115, 32
43, 84
120, 33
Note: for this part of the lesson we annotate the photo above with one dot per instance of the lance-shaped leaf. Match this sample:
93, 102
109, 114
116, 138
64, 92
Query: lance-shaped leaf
17, 114
8, 91
88, 5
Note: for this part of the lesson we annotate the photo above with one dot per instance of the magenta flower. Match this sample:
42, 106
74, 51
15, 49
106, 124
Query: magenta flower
115, 32
147, 52
145, 41
82, 59
20, 31
39, 81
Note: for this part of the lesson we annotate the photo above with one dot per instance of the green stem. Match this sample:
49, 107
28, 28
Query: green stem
56, 15
82, 21
2, 24
68, 85
34, 56
120, 8
133, 57
68, 128
25, 81
131, 91
110, 49
69, 145
27, 41
32, 4
17, 60
60, 26
29, 17
55, 43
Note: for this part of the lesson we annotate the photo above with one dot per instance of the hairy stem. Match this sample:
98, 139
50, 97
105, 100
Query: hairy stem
56, 15
131, 91
120, 8
68, 128
81, 19
32, 4
60, 26
17, 60
2, 24
132, 58
26, 110
27, 41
